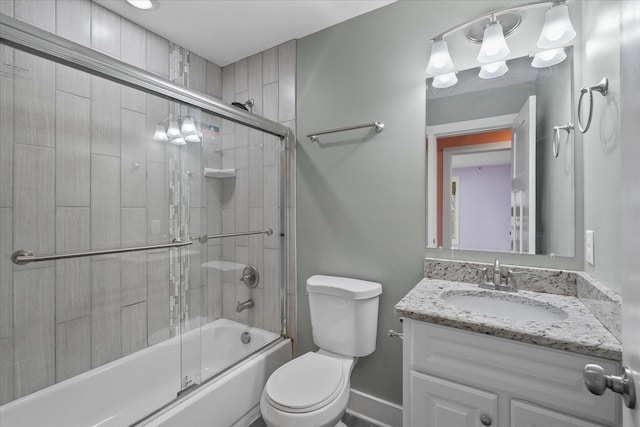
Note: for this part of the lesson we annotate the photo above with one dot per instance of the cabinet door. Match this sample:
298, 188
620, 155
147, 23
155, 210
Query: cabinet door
526, 415
436, 403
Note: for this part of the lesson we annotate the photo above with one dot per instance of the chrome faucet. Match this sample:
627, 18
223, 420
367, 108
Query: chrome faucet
245, 305
497, 279
497, 273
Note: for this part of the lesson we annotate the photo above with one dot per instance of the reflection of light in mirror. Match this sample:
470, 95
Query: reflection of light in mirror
445, 80
491, 71
160, 134
192, 138
174, 130
179, 141
494, 46
141, 4
548, 58
557, 29
188, 126
440, 60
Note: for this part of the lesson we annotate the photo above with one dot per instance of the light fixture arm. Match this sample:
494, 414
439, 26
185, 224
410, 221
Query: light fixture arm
494, 13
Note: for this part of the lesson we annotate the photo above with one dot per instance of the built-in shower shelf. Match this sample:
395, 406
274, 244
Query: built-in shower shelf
219, 173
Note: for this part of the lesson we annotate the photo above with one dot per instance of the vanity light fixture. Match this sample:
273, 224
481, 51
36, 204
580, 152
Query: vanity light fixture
445, 80
494, 47
160, 134
440, 60
547, 58
141, 4
491, 71
557, 29
179, 141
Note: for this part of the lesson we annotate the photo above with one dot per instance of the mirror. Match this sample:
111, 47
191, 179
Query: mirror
494, 182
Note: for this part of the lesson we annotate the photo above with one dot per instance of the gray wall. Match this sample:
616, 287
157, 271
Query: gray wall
555, 229
602, 158
361, 197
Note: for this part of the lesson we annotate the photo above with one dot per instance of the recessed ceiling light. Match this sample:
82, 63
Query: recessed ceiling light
141, 4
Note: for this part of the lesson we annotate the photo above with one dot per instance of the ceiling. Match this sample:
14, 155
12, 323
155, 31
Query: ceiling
225, 31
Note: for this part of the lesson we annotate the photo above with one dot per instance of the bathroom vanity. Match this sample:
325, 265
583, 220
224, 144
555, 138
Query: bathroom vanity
476, 357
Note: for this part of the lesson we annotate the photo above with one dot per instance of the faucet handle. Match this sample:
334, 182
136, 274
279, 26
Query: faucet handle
511, 275
484, 271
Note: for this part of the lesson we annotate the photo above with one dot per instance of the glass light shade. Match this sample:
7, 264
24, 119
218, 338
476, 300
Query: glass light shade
160, 134
548, 58
179, 141
141, 4
440, 60
491, 71
192, 138
188, 126
445, 80
557, 29
174, 130
494, 46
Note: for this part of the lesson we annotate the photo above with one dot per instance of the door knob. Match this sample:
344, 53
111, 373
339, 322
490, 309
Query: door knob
597, 382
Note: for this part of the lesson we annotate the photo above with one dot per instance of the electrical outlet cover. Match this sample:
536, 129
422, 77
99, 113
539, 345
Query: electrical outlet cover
589, 245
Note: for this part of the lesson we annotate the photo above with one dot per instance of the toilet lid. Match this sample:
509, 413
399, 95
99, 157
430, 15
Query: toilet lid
305, 384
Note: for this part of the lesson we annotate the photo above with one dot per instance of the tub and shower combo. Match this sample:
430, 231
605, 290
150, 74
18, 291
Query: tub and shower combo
143, 243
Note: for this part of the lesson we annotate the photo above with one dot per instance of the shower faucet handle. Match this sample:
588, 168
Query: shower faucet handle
250, 276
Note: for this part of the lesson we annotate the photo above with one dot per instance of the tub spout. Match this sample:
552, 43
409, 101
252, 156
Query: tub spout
245, 305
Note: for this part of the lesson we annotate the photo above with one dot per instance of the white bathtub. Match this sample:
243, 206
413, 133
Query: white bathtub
126, 390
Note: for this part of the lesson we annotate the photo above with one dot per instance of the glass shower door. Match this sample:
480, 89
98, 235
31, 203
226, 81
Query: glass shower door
81, 172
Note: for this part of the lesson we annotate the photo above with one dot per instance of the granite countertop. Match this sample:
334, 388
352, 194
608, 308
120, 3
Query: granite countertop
579, 332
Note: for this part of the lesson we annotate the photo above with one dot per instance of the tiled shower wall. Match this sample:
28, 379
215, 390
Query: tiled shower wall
250, 201
85, 191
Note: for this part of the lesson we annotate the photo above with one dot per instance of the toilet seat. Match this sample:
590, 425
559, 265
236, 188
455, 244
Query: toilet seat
306, 384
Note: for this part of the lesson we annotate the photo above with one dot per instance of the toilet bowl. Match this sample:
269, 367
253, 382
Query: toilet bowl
313, 389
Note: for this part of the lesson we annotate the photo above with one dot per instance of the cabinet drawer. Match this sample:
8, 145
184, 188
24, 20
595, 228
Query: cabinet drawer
548, 377
526, 415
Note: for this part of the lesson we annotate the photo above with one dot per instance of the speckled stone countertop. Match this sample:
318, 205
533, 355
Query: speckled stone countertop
578, 332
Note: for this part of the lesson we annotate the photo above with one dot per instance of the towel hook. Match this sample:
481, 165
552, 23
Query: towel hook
556, 137
603, 88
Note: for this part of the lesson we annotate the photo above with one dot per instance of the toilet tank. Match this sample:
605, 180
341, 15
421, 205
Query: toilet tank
344, 314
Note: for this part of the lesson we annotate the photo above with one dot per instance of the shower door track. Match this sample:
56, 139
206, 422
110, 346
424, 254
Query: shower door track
24, 35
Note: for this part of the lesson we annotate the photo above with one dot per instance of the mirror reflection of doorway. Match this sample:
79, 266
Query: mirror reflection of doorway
474, 171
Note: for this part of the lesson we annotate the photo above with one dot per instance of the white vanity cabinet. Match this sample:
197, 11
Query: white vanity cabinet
456, 378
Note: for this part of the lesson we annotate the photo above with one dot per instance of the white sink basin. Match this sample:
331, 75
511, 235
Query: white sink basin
504, 306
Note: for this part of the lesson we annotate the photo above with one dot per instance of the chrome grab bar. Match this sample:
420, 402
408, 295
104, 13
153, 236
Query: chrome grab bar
378, 125
204, 237
556, 137
22, 256
603, 88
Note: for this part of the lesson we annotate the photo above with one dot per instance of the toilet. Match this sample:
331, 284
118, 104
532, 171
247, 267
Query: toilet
313, 390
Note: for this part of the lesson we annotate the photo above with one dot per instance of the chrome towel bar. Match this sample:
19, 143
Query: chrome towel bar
378, 125
204, 237
22, 257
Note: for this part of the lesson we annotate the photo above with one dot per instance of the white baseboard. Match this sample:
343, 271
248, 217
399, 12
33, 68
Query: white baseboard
374, 410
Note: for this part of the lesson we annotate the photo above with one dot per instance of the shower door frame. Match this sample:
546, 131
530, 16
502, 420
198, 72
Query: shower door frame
26, 37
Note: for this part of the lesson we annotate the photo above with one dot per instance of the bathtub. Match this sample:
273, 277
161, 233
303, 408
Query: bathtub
127, 390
